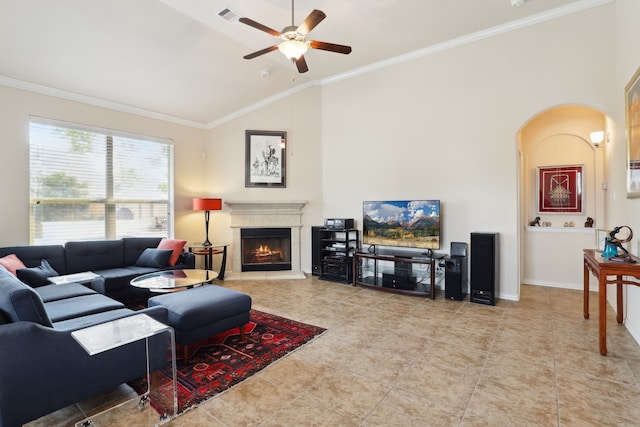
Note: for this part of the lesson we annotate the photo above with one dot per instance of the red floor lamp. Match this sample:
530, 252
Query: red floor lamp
207, 205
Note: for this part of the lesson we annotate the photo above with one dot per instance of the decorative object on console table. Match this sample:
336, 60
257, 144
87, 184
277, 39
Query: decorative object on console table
336, 251
265, 156
613, 243
206, 205
560, 189
601, 238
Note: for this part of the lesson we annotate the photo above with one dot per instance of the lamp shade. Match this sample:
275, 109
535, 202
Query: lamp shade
597, 137
293, 49
201, 204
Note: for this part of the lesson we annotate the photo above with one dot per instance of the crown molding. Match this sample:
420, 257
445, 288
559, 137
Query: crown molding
577, 6
538, 18
96, 102
260, 104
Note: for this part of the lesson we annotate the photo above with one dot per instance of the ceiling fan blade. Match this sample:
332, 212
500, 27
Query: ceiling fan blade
261, 52
259, 26
315, 17
331, 47
301, 64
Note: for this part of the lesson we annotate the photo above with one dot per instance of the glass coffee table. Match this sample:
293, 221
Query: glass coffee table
174, 280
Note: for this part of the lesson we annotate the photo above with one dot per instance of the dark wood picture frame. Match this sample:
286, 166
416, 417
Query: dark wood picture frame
265, 158
560, 189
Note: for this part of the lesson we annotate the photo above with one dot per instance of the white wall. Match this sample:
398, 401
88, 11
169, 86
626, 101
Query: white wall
445, 126
298, 115
15, 108
622, 211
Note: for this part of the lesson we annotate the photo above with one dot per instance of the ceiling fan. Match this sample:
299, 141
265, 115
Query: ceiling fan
294, 42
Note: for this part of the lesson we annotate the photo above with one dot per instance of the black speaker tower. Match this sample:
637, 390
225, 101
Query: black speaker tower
484, 268
316, 251
455, 272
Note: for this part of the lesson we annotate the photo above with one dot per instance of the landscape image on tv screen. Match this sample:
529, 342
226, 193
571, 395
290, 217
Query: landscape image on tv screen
409, 223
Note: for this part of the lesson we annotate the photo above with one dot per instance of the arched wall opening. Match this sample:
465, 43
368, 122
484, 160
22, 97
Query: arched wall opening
551, 252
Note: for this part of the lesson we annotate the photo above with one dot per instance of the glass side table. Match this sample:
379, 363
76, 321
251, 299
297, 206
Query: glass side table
208, 252
106, 336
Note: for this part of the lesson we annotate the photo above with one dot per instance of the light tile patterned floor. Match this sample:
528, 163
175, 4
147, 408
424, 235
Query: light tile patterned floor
392, 360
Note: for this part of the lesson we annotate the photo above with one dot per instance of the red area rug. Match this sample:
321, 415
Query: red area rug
219, 362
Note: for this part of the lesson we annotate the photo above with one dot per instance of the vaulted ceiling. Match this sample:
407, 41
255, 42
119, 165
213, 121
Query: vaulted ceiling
179, 60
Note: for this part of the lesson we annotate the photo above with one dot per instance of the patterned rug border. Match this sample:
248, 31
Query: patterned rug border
278, 360
191, 395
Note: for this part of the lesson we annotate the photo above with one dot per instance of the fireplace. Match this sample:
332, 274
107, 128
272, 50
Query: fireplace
248, 216
265, 249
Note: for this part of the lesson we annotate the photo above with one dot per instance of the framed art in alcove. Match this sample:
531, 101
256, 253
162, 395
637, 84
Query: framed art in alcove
560, 189
265, 158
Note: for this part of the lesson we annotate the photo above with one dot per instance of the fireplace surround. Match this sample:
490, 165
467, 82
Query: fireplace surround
265, 214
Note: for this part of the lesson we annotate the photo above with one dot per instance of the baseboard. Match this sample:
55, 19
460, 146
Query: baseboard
562, 285
633, 331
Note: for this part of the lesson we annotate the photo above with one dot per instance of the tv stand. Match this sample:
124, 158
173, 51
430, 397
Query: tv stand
405, 275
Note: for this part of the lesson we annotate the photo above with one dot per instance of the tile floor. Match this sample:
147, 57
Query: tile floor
393, 360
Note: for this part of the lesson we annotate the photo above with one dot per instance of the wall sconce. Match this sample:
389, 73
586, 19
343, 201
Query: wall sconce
207, 205
597, 137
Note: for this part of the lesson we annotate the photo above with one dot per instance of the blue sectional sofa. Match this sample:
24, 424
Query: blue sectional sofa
114, 260
42, 367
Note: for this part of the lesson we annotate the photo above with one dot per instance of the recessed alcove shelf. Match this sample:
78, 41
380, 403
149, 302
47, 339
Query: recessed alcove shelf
579, 230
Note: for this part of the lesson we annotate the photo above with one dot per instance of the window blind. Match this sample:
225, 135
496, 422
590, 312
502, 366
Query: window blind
88, 183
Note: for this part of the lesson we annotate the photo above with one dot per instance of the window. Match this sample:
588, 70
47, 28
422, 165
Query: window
91, 184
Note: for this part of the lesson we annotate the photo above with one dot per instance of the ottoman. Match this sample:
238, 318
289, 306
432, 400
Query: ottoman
198, 313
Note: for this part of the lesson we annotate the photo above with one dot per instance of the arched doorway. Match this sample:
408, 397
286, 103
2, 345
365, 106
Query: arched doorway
551, 254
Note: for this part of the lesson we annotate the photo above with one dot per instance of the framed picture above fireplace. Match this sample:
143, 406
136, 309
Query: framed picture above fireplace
265, 156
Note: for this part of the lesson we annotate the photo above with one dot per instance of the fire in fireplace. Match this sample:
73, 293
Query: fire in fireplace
265, 249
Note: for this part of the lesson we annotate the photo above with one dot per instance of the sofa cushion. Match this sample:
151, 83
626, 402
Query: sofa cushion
31, 256
158, 258
91, 319
20, 302
134, 246
50, 293
12, 263
93, 255
175, 245
83, 305
37, 276
118, 278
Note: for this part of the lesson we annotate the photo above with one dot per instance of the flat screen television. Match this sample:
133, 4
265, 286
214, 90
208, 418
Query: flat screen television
407, 223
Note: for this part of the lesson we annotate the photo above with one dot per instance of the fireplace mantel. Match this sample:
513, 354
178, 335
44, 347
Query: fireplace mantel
262, 205
266, 213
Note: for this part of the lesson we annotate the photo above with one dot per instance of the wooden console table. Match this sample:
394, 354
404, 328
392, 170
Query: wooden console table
602, 269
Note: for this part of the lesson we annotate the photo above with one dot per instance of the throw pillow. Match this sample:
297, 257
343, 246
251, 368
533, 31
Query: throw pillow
37, 276
175, 245
156, 258
12, 263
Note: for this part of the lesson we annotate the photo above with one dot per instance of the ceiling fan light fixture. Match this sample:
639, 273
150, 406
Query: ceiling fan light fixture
293, 49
